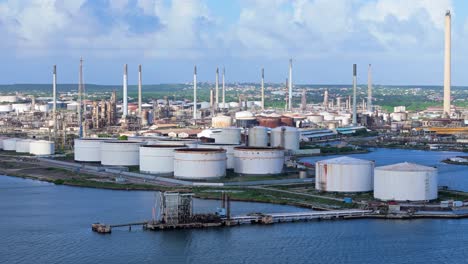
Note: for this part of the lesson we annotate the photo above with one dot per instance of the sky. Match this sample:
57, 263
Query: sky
402, 39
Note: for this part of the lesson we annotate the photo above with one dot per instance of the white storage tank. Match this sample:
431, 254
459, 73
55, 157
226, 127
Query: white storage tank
120, 153
8, 98
344, 174
199, 164
315, 118
88, 149
20, 108
23, 145
229, 151
42, 147
221, 121
258, 137
158, 158
9, 144
285, 137
405, 182
231, 135
4, 108
191, 143
258, 160
1, 142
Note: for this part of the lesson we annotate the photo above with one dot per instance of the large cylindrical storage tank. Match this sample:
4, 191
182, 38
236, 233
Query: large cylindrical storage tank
344, 174
315, 118
1, 141
21, 107
221, 121
229, 151
158, 158
191, 143
405, 182
285, 137
120, 153
270, 122
41, 147
4, 108
23, 145
230, 135
88, 149
199, 164
8, 98
258, 160
9, 144
258, 137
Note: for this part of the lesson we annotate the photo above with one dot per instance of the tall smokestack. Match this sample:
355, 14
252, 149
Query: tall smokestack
224, 90
217, 89
139, 90
125, 95
54, 96
338, 103
263, 89
304, 100
325, 98
194, 93
447, 63
369, 89
290, 86
354, 95
80, 101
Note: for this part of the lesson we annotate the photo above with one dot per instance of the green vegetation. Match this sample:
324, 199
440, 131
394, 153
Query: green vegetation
123, 137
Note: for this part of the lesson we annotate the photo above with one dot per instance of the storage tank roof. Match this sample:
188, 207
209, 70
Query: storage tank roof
345, 160
406, 166
286, 128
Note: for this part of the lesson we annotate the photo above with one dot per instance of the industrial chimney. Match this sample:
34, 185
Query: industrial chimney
139, 91
217, 89
290, 86
195, 93
80, 101
125, 95
447, 64
263, 89
354, 95
54, 96
369, 90
224, 90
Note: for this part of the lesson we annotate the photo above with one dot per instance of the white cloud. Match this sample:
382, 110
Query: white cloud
266, 28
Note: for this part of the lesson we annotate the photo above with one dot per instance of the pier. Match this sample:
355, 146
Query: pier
255, 218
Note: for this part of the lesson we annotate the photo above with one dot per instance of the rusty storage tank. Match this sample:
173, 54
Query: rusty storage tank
199, 164
287, 121
285, 137
270, 122
344, 174
221, 121
258, 160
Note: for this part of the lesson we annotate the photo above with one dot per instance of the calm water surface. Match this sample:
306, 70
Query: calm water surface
44, 223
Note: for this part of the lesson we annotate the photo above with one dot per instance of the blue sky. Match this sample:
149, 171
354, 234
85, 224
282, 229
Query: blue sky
402, 39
